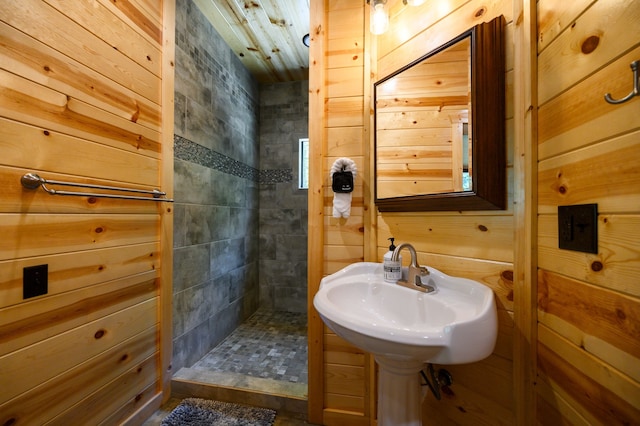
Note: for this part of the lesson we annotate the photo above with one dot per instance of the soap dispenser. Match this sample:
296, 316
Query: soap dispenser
392, 269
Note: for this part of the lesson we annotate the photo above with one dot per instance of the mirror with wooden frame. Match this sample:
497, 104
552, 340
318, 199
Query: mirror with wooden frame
439, 127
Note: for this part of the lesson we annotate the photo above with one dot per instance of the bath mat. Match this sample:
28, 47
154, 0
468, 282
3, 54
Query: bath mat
205, 412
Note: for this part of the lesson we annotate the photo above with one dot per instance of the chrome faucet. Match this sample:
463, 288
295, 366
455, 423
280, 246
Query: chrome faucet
416, 272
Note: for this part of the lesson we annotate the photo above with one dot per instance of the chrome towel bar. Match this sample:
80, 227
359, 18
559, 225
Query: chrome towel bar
33, 181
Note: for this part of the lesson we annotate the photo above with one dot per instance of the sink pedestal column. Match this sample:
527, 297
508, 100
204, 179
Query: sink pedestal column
399, 392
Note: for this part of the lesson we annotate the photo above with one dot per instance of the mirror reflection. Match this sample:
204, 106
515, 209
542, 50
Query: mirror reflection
424, 143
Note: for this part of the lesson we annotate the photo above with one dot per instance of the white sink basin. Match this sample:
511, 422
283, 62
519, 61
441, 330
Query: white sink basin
454, 325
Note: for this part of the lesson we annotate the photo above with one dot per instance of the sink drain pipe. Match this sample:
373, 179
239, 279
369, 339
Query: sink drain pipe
437, 382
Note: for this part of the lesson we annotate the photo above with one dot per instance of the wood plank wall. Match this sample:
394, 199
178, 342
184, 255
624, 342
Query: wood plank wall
478, 245
339, 121
588, 152
84, 91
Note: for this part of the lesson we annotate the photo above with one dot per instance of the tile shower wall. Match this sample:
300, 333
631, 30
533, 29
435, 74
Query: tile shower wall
283, 207
216, 165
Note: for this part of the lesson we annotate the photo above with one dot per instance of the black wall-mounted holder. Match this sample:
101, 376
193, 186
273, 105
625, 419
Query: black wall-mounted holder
578, 227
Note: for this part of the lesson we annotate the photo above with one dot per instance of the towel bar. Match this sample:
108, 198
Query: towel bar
33, 181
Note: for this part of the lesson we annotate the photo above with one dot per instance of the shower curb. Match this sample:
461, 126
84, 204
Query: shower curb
290, 398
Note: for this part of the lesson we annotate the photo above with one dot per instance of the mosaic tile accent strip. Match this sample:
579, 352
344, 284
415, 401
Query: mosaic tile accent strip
270, 345
186, 150
276, 176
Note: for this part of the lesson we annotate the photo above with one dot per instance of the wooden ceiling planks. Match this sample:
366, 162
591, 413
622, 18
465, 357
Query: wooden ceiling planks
266, 35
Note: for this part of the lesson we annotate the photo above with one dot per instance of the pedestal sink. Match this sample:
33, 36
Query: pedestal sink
404, 329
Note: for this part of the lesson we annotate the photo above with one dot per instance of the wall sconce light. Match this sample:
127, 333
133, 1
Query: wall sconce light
379, 22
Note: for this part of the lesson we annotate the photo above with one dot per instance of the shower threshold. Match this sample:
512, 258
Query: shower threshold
263, 363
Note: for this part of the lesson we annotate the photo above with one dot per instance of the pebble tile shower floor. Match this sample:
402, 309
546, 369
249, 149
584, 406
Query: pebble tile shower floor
269, 345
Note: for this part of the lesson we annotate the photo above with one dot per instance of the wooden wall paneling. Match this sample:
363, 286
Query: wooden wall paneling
338, 417
145, 15
40, 235
578, 177
588, 354
466, 407
118, 399
591, 119
408, 26
522, 130
596, 37
155, 11
342, 82
346, 369
345, 141
475, 376
483, 237
346, 106
595, 367
615, 266
554, 18
165, 293
505, 340
590, 383
52, 28
22, 200
459, 20
339, 351
338, 257
592, 311
16, 198
129, 40
345, 380
345, 404
317, 152
86, 95
553, 409
345, 20
41, 318
42, 403
55, 355
26, 101
478, 245
368, 146
34, 148
43, 64
344, 111
345, 52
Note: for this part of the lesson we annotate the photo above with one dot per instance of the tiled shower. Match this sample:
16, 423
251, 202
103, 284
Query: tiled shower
240, 223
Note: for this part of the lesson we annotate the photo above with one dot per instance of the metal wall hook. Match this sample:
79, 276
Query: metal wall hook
636, 86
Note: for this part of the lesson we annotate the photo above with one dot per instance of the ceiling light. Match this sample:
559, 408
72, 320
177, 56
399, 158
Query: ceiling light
379, 16
305, 40
413, 2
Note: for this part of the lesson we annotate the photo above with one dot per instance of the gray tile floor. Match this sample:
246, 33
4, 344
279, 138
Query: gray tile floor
269, 345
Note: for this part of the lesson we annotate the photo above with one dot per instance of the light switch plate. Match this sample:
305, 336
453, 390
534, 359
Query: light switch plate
35, 281
578, 227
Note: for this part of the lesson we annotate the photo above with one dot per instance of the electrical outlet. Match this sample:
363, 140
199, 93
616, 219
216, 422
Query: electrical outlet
578, 227
35, 281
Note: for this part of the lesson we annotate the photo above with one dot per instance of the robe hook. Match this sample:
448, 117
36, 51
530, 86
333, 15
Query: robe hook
636, 86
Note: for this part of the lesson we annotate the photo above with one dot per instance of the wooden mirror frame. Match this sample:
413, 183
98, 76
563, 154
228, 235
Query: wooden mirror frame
487, 127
